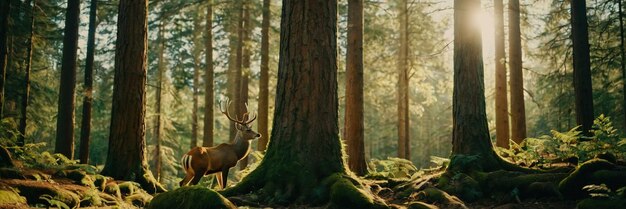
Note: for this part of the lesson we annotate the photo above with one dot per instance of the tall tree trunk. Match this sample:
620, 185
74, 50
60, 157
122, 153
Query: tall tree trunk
85, 131
502, 106
404, 148
470, 135
127, 145
197, 31
518, 112
67, 89
264, 80
623, 56
158, 105
238, 106
207, 141
5, 11
26, 93
246, 69
582, 72
354, 122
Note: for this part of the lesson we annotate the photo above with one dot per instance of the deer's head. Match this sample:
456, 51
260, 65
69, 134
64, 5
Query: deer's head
243, 125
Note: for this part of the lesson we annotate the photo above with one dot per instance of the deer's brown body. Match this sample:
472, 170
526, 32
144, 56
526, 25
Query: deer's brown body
201, 161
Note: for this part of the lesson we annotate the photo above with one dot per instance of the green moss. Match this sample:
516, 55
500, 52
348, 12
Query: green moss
572, 185
140, 198
37, 193
11, 173
613, 179
10, 197
91, 198
113, 189
193, 197
80, 177
99, 181
592, 203
128, 187
345, 194
434, 195
89, 169
421, 205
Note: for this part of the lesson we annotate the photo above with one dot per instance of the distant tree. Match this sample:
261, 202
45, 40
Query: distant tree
518, 111
623, 58
195, 89
582, 72
85, 132
5, 11
67, 85
404, 148
245, 76
264, 79
502, 105
29, 64
354, 123
127, 145
208, 78
159, 97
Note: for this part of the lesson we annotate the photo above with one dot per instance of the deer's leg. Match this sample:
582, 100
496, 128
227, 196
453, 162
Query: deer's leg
218, 175
197, 178
188, 177
224, 177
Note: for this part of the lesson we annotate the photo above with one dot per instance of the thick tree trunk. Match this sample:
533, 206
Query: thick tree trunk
127, 145
404, 148
264, 80
518, 112
85, 132
354, 122
470, 135
623, 56
26, 94
5, 10
65, 118
502, 106
582, 72
207, 140
158, 105
238, 106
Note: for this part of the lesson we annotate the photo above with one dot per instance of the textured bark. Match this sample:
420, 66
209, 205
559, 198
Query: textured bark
470, 135
127, 145
404, 149
26, 94
623, 57
582, 71
502, 106
85, 131
5, 10
238, 106
354, 122
305, 147
65, 118
197, 30
207, 140
264, 80
158, 104
243, 163
518, 112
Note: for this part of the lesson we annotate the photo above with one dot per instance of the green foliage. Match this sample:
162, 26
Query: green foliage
53, 201
11, 196
391, 168
544, 150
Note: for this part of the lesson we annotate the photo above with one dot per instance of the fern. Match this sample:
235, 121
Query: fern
52, 201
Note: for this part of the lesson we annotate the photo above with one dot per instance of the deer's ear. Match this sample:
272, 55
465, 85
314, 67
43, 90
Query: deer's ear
238, 126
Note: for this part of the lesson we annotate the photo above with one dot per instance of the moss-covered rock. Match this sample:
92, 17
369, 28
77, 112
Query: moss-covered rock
46, 194
88, 169
572, 185
80, 178
345, 194
11, 198
193, 197
100, 181
434, 195
593, 203
128, 187
113, 189
421, 205
139, 198
91, 198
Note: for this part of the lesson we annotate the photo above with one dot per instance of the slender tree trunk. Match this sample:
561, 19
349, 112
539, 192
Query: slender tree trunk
502, 106
208, 79
158, 105
26, 93
518, 112
246, 69
264, 80
67, 89
127, 145
85, 131
582, 72
237, 101
196, 79
243, 163
623, 56
5, 11
403, 84
354, 123
470, 135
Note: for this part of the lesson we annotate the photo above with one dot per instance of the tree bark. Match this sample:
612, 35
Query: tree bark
26, 94
207, 140
502, 106
264, 80
582, 72
470, 135
85, 132
158, 105
404, 148
518, 112
5, 10
623, 56
354, 122
239, 62
243, 163
196, 79
127, 145
67, 89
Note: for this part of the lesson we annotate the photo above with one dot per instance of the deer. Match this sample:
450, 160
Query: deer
201, 161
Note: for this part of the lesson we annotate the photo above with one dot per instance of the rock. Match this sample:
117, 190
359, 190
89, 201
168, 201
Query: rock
194, 197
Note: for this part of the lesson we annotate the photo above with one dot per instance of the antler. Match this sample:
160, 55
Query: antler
246, 115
